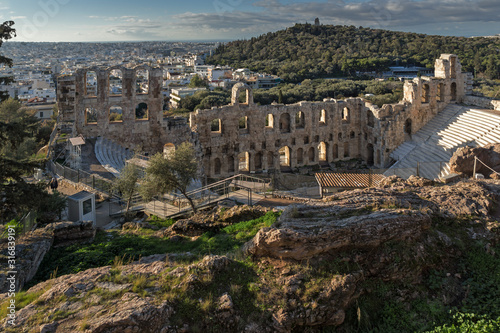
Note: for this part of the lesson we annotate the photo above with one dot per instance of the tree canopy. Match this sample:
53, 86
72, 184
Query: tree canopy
308, 51
173, 172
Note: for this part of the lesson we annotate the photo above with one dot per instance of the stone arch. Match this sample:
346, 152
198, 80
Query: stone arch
230, 164
369, 154
235, 93
270, 120
115, 82
300, 156
142, 75
453, 90
90, 116
284, 154
345, 114
425, 93
285, 123
217, 166
258, 161
243, 162
311, 154
370, 118
335, 152
91, 83
340, 136
322, 117
216, 126
408, 125
116, 114
141, 111
322, 152
300, 120
440, 92
168, 148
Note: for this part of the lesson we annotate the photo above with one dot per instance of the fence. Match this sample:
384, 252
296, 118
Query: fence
80, 176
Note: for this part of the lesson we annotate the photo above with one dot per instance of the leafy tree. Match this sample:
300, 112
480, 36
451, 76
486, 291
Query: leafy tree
197, 82
18, 130
173, 172
126, 184
6, 33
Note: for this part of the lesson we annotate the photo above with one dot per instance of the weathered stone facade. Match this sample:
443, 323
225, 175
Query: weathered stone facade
245, 137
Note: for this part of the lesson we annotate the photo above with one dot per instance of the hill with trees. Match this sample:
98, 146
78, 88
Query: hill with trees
308, 51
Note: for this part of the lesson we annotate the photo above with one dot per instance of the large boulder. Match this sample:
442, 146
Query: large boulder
462, 160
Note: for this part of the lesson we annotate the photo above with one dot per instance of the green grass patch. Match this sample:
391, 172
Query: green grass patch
108, 246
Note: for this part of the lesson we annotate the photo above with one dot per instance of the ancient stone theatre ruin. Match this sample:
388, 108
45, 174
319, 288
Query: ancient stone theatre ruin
246, 137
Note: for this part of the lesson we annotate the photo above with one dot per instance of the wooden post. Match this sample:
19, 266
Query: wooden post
474, 171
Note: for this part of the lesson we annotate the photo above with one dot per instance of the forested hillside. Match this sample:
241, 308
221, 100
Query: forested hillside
308, 51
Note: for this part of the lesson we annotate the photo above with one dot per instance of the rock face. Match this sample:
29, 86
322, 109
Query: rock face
366, 218
462, 160
32, 247
30, 250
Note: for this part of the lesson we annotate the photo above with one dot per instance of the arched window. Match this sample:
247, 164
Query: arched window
142, 81
440, 92
116, 114
230, 164
270, 160
258, 161
243, 162
91, 83
322, 148
322, 117
115, 80
369, 154
141, 111
269, 121
285, 123
299, 120
243, 124
90, 116
335, 151
370, 119
453, 91
215, 126
352, 135
310, 155
425, 93
284, 156
345, 114
300, 157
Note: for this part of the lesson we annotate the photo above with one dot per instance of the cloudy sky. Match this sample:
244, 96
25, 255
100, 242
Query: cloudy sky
136, 20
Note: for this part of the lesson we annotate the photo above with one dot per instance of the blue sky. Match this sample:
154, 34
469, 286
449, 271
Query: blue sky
131, 20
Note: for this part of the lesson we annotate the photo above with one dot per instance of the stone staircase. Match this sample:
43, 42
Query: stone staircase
430, 149
111, 155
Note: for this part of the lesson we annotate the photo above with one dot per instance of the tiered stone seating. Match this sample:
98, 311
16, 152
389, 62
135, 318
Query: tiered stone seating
111, 155
433, 145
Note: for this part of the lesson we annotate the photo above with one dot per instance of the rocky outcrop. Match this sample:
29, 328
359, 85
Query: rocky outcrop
462, 160
29, 252
31, 248
367, 218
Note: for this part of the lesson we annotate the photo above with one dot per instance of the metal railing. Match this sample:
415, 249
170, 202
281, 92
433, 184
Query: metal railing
79, 176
